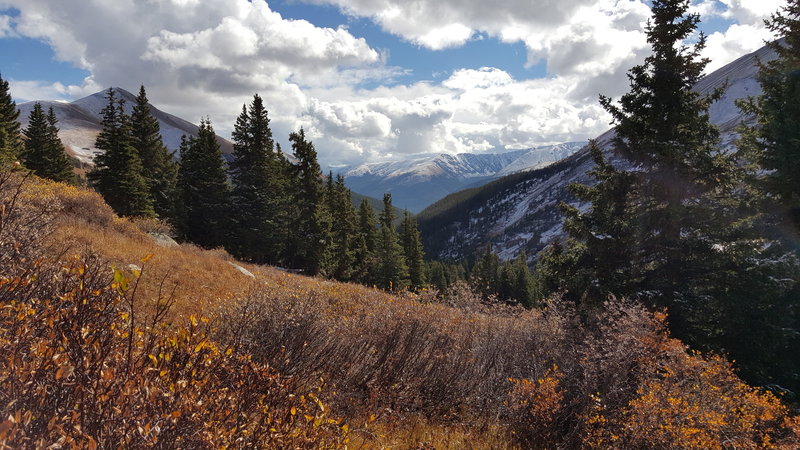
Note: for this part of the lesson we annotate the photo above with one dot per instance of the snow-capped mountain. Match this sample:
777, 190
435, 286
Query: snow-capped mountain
80, 123
520, 211
420, 180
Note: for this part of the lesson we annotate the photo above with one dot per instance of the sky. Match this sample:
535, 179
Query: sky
368, 80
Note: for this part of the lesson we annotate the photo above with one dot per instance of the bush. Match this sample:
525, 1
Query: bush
81, 366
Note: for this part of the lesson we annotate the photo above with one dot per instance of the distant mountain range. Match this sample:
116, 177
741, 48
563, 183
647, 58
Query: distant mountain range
80, 123
421, 180
520, 212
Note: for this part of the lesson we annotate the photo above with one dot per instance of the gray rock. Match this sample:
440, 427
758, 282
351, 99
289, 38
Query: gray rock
163, 240
242, 270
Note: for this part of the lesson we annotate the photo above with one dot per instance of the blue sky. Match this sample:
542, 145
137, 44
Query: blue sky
367, 79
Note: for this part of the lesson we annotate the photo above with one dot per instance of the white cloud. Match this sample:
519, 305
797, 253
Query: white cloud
6, 27
208, 57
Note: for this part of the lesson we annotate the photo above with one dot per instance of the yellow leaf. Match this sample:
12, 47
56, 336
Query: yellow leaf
345, 428
154, 359
147, 257
293, 410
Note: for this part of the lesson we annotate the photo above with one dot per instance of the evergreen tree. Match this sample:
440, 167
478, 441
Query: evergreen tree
117, 174
485, 274
43, 151
10, 137
159, 168
310, 223
392, 269
259, 196
343, 239
772, 145
365, 245
601, 239
412, 248
204, 189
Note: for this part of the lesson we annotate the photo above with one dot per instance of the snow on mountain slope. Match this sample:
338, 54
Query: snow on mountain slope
536, 158
520, 211
419, 181
80, 123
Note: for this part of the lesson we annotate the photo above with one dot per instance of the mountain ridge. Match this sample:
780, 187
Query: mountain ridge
418, 181
80, 122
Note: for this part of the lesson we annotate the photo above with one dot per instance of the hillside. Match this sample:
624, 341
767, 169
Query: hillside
80, 123
520, 212
180, 346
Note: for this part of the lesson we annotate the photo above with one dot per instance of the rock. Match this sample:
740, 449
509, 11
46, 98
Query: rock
134, 268
242, 270
163, 240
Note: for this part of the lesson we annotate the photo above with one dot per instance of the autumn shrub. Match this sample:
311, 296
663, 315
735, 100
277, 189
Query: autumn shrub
643, 389
80, 368
389, 354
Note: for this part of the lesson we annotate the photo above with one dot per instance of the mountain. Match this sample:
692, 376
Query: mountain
420, 180
520, 211
80, 123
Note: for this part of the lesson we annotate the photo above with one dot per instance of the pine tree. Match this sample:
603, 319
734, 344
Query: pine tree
10, 137
117, 174
204, 189
412, 249
309, 229
259, 196
158, 166
43, 151
392, 269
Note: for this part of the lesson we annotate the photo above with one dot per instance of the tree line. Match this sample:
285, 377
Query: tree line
261, 207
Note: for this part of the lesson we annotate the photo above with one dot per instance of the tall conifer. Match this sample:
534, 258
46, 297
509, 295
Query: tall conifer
259, 197
158, 166
412, 249
43, 152
204, 189
309, 235
10, 136
392, 270
117, 174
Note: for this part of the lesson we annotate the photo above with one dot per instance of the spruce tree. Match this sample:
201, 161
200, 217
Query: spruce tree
117, 174
392, 269
364, 266
158, 166
204, 189
412, 249
43, 151
485, 275
10, 137
259, 197
309, 228
773, 146
343, 232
